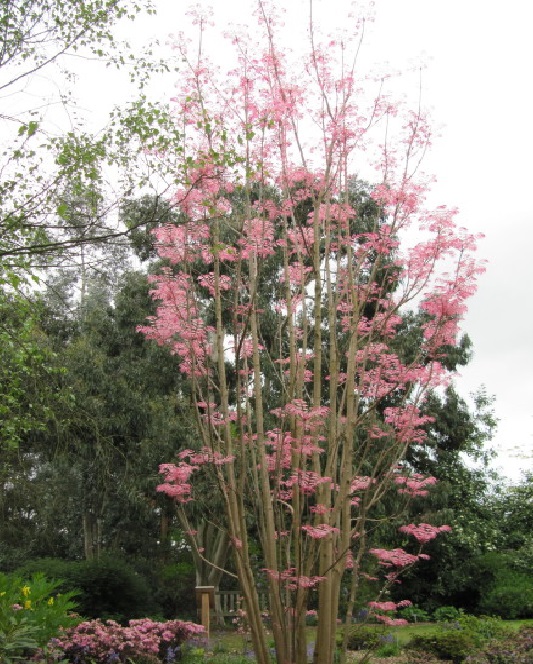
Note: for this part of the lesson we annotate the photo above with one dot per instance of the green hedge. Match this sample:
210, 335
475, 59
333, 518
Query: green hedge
105, 588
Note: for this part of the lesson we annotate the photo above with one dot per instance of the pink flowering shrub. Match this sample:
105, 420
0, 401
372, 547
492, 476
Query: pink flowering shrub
95, 642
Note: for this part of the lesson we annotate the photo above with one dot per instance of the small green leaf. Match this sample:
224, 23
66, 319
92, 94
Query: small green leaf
62, 210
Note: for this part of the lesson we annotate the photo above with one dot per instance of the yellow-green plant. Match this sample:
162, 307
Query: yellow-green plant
31, 613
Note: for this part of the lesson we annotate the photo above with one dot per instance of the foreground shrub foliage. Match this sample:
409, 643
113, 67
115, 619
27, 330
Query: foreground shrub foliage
517, 649
454, 646
144, 640
364, 638
31, 613
460, 638
420, 657
414, 614
482, 629
446, 614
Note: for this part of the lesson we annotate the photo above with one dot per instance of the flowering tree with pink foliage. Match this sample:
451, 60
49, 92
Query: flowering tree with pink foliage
286, 287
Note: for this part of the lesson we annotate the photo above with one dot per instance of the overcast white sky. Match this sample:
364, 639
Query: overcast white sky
479, 83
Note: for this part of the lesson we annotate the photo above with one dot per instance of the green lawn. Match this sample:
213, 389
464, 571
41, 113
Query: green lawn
516, 624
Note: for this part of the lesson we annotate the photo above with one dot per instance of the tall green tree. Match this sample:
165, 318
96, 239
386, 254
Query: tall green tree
457, 453
41, 160
27, 366
87, 475
127, 407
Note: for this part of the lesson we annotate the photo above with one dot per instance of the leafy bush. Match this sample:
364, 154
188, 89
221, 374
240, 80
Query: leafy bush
510, 597
452, 645
482, 629
504, 588
515, 650
31, 613
388, 649
365, 638
142, 641
108, 588
61, 571
112, 589
311, 618
414, 614
458, 639
174, 585
446, 614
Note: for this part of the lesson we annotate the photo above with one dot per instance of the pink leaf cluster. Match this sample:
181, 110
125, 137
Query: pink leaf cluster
388, 607
424, 532
293, 581
397, 558
414, 485
177, 477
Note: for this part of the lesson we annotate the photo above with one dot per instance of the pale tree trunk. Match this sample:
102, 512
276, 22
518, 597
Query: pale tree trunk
90, 535
232, 485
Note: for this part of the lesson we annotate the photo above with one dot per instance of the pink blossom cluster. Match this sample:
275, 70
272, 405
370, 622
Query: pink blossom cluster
319, 531
98, 643
293, 581
306, 480
176, 484
390, 622
415, 485
424, 532
394, 557
388, 607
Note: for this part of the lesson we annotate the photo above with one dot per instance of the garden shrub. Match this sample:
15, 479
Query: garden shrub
143, 641
388, 650
388, 647
110, 588
365, 638
460, 638
105, 588
446, 614
414, 614
31, 613
517, 649
510, 597
311, 618
60, 571
452, 645
505, 589
482, 629
174, 592
420, 657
